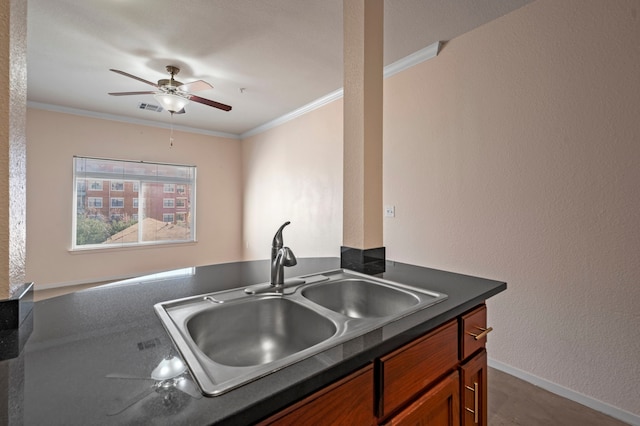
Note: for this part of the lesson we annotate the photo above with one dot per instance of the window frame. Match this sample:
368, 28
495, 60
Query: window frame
133, 180
93, 204
120, 204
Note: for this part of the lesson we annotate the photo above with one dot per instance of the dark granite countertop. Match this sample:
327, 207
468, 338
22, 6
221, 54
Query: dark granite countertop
79, 339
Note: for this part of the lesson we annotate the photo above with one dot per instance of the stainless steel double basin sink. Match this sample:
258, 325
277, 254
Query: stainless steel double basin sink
232, 337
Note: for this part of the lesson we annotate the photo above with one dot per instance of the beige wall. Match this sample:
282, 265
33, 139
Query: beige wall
294, 172
515, 155
54, 138
512, 155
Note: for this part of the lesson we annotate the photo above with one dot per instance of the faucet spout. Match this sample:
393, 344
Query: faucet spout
278, 241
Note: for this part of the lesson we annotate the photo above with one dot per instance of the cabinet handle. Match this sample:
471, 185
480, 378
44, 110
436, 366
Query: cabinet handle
473, 389
484, 332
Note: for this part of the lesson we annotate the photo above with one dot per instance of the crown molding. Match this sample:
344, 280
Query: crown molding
335, 95
123, 119
415, 58
409, 61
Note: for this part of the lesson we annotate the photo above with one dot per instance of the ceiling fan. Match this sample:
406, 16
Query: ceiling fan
172, 94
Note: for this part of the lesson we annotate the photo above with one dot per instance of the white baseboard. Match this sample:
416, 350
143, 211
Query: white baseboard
603, 407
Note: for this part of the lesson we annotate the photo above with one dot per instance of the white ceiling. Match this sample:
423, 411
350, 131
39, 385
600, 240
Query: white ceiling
283, 53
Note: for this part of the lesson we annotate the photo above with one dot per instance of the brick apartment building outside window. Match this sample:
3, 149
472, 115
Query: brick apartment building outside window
123, 203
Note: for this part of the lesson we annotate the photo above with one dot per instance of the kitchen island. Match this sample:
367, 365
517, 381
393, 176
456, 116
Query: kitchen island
91, 355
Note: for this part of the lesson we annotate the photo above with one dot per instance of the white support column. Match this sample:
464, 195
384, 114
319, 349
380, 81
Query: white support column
363, 79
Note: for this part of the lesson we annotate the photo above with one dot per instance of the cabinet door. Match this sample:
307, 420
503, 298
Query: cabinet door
439, 406
474, 390
346, 402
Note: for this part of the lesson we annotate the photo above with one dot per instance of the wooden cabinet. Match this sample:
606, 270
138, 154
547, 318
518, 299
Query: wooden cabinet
473, 391
439, 406
349, 401
407, 371
437, 379
473, 331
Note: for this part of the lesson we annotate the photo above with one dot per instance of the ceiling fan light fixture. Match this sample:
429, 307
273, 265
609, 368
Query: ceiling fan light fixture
170, 102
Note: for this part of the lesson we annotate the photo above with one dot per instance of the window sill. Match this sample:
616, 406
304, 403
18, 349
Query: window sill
99, 249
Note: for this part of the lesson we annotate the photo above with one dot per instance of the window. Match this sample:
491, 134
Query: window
117, 185
117, 202
94, 202
130, 210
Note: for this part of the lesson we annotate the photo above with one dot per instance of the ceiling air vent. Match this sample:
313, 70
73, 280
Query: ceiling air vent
150, 107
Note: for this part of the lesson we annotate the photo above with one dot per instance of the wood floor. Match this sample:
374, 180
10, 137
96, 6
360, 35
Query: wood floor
515, 402
511, 401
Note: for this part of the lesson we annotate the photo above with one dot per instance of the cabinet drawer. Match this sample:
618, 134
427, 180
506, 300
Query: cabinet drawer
348, 401
410, 369
473, 331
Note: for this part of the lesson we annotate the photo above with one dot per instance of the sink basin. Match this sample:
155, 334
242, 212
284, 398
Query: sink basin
358, 298
229, 338
257, 331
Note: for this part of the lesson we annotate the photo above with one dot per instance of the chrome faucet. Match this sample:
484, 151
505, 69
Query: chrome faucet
280, 257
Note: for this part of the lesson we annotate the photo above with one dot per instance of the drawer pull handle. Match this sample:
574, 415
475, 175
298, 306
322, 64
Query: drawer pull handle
474, 389
484, 333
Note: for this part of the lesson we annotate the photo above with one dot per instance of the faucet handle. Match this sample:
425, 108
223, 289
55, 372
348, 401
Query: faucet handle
288, 258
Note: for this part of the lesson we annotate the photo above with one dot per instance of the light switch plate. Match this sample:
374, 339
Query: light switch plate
389, 211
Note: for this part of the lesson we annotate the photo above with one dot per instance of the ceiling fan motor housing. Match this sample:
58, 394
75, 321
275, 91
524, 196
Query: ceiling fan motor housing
170, 83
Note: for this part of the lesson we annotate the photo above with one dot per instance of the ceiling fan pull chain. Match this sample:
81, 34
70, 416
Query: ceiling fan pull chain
171, 134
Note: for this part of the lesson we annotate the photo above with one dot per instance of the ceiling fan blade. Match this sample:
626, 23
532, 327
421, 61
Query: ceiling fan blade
195, 86
131, 93
209, 102
126, 74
